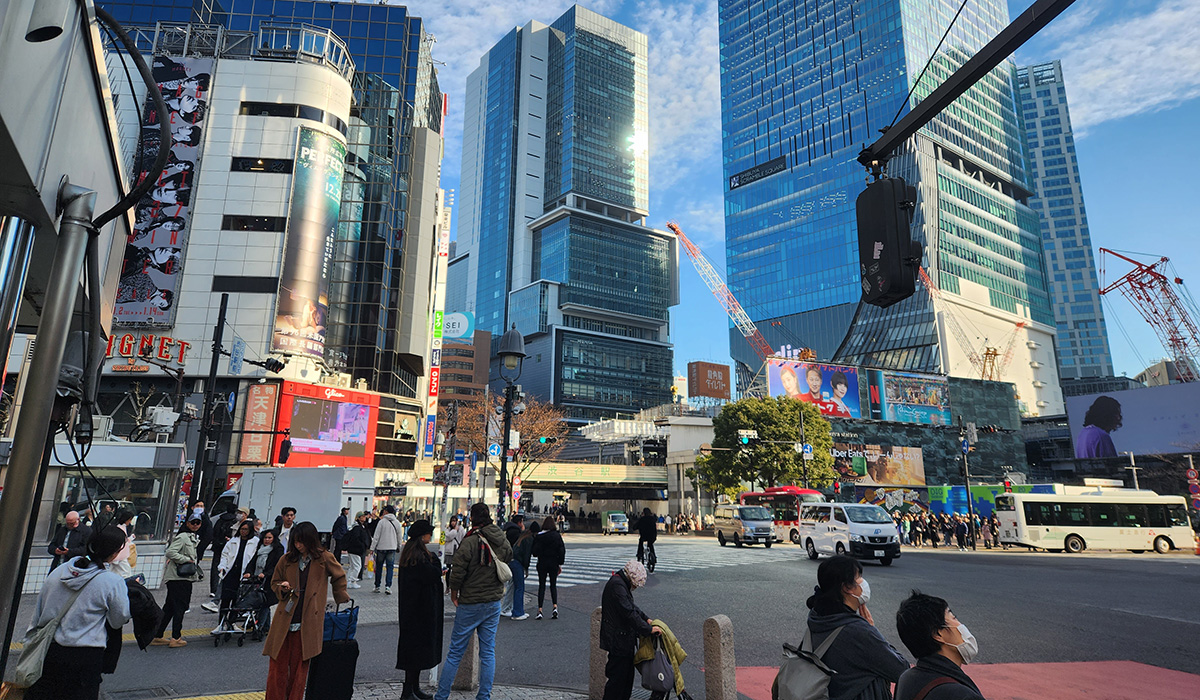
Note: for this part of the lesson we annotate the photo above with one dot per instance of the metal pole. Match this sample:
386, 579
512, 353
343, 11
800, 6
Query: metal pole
503, 485
1133, 467
22, 475
16, 247
803, 458
206, 413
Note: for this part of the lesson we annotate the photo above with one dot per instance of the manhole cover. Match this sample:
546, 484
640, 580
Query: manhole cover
140, 694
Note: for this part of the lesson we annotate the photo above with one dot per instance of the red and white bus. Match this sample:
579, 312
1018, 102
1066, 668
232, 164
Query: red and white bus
784, 503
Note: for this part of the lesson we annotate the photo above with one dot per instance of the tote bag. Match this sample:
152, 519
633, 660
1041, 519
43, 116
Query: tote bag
503, 571
37, 642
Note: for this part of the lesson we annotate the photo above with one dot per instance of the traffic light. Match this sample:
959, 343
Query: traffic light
547, 440
887, 255
285, 450
272, 364
747, 438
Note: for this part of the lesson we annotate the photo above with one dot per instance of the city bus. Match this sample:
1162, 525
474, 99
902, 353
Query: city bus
1133, 520
784, 504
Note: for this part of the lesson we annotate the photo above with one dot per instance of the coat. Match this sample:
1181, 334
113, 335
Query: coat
181, 550
80, 537
322, 570
472, 574
550, 550
930, 668
356, 541
419, 590
388, 535
229, 561
866, 664
621, 622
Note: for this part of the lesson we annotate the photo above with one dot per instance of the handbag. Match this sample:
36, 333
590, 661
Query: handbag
8, 691
341, 624
803, 675
658, 676
188, 569
37, 642
503, 570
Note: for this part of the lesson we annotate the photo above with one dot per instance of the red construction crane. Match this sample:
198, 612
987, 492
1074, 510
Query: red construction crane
1152, 295
730, 303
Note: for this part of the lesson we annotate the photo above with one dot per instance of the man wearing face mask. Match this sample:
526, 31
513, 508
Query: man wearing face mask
942, 646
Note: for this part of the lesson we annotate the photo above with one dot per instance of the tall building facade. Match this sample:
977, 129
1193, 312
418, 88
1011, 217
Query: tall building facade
803, 89
1083, 349
551, 215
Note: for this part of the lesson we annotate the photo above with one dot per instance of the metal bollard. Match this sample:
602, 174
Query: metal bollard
720, 668
468, 670
597, 659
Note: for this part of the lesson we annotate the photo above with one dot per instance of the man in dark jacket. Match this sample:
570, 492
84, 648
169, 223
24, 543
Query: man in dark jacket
647, 527
476, 589
340, 527
70, 540
205, 533
621, 625
941, 644
512, 530
355, 544
222, 533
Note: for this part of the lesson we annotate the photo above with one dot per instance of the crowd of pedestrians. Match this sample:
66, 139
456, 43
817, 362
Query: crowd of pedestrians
924, 528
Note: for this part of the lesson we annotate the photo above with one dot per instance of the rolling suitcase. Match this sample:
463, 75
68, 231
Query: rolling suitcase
331, 673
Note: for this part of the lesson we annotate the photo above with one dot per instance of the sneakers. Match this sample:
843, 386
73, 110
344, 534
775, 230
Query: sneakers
176, 643
539, 615
212, 595
159, 642
554, 614
354, 585
376, 589
211, 607
505, 614
185, 612
387, 590
220, 629
522, 617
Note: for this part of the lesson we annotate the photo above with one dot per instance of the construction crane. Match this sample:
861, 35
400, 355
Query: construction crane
990, 362
1151, 293
720, 290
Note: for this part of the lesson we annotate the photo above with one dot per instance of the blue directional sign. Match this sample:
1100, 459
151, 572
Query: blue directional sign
493, 450
460, 456
807, 449
966, 447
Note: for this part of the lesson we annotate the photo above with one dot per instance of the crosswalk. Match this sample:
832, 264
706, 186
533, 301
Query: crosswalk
585, 566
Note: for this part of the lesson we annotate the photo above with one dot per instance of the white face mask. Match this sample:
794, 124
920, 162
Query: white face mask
969, 648
865, 596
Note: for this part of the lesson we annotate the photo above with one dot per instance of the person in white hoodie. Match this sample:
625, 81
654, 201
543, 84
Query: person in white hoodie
76, 656
389, 533
236, 559
454, 536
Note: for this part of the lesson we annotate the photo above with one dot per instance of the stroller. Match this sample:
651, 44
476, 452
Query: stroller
245, 616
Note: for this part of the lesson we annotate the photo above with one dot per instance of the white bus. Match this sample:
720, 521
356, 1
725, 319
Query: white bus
1134, 520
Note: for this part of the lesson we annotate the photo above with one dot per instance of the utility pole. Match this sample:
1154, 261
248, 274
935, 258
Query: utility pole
804, 455
206, 413
966, 447
1133, 467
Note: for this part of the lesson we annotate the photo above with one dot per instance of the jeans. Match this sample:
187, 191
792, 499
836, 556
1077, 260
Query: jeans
484, 617
382, 557
353, 565
518, 588
179, 596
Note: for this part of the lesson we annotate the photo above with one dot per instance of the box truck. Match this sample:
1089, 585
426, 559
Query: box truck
317, 493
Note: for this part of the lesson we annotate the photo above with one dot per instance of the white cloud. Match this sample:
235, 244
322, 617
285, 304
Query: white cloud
1132, 63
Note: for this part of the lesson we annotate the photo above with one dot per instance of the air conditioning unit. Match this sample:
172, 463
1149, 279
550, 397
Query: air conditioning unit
1031, 344
1042, 404
1039, 383
102, 427
1035, 364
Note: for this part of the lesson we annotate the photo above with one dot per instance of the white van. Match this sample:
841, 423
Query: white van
744, 525
859, 530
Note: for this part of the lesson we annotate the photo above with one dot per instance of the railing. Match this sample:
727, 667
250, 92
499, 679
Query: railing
305, 41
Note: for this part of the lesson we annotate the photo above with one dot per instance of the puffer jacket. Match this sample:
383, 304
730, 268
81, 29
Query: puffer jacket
181, 550
472, 573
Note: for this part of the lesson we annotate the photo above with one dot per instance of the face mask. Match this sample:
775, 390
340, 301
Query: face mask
865, 596
969, 648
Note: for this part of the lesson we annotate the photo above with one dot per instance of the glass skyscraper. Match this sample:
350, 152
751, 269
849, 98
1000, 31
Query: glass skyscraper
804, 87
552, 203
1083, 349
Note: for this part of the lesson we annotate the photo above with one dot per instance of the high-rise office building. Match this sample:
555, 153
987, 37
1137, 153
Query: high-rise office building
803, 89
1074, 289
552, 204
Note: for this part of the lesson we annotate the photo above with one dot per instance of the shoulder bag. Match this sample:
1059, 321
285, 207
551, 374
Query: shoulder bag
37, 642
803, 674
503, 571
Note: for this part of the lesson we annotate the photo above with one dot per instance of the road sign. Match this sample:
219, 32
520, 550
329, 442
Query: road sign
966, 447
237, 355
493, 450
516, 482
1193, 475
460, 455
1196, 503
972, 433
231, 402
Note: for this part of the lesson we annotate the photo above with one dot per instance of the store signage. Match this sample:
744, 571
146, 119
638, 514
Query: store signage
261, 403
130, 368
709, 380
434, 375
758, 172
148, 346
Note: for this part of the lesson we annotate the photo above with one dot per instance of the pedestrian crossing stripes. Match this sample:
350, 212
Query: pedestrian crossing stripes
596, 564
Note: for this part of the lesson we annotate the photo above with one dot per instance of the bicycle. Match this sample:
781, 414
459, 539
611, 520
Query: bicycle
647, 556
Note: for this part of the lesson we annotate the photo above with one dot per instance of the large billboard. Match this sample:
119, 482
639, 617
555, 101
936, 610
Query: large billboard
1154, 420
154, 254
259, 421
831, 388
904, 397
303, 301
879, 464
709, 380
328, 426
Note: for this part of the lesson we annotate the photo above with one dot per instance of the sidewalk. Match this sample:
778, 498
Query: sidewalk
391, 691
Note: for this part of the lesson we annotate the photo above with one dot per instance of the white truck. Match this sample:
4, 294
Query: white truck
318, 494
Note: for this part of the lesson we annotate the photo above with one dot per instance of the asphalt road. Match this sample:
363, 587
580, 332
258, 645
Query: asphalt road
1022, 608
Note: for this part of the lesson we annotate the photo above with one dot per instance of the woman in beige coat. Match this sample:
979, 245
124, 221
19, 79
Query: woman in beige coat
301, 582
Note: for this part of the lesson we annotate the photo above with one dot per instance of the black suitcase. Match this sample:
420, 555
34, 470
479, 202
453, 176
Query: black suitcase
331, 673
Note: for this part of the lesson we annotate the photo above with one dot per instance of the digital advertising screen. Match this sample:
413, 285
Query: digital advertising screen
905, 397
833, 389
1154, 420
328, 426
879, 464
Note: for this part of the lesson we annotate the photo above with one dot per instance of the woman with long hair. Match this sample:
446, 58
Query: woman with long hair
301, 582
262, 567
551, 552
522, 552
421, 619
236, 560
182, 550
94, 599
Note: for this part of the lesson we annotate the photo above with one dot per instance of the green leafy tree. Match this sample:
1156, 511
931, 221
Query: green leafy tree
771, 460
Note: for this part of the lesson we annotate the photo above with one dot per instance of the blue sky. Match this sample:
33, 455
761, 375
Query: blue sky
1133, 81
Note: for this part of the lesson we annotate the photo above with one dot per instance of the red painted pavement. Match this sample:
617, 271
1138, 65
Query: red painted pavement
1084, 680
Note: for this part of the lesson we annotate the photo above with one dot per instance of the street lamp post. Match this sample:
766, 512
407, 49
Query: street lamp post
1133, 467
512, 355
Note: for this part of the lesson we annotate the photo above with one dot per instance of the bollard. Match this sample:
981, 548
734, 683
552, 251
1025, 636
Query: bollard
597, 661
468, 669
720, 669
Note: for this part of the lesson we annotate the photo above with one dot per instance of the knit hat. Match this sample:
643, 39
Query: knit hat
420, 528
636, 573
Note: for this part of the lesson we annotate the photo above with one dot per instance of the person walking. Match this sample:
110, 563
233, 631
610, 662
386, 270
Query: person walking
522, 552
476, 589
419, 592
301, 582
181, 551
284, 524
388, 536
236, 560
942, 646
622, 625
206, 529
223, 531
512, 531
340, 527
70, 540
551, 553
354, 547
960, 533
647, 528
93, 599
262, 567
865, 663
454, 535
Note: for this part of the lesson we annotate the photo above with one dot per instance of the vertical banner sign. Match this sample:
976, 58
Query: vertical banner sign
260, 415
153, 266
303, 301
436, 328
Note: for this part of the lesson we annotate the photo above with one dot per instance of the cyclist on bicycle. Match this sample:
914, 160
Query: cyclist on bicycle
647, 526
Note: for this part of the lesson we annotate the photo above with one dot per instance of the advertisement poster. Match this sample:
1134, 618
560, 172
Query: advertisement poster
708, 380
953, 499
903, 397
831, 388
894, 499
329, 426
879, 464
260, 416
153, 266
303, 301
458, 325
1154, 420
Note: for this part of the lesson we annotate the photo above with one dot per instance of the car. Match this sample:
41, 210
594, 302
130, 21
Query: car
615, 523
859, 530
744, 525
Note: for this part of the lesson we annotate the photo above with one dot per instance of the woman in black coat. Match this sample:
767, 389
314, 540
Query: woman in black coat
551, 553
421, 598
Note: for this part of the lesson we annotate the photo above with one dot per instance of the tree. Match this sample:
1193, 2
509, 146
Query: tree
771, 460
480, 422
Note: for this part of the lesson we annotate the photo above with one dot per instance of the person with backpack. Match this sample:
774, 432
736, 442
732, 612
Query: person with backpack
865, 663
942, 646
476, 587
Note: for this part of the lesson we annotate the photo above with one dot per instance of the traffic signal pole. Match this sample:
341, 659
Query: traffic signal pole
210, 391
962, 432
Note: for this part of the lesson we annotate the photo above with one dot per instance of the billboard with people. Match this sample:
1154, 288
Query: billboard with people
1154, 420
879, 464
906, 397
833, 389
